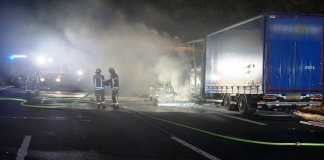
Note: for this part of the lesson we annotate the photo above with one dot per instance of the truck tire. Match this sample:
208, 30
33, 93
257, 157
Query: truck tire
227, 101
242, 104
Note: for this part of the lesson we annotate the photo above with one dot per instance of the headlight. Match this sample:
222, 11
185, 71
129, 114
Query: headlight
58, 80
40, 60
42, 79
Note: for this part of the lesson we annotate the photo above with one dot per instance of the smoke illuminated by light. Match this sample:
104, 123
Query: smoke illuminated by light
86, 36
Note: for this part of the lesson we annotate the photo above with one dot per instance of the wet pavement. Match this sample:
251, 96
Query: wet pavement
139, 130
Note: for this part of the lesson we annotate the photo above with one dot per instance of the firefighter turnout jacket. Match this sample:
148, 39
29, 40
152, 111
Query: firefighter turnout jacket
99, 82
113, 81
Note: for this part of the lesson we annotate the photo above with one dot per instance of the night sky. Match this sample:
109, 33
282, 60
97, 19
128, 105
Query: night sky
185, 19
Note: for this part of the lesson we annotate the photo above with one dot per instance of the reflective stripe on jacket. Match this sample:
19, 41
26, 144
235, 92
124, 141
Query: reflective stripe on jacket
99, 82
114, 82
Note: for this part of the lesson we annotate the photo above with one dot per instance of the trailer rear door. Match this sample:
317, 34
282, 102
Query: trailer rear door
294, 50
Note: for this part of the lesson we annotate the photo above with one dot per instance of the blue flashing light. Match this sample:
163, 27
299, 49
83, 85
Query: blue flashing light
16, 56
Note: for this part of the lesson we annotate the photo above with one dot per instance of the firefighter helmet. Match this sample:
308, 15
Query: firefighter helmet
111, 70
98, 70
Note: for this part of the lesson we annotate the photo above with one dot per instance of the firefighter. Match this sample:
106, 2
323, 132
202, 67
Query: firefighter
114, 84
32, 83
99, 88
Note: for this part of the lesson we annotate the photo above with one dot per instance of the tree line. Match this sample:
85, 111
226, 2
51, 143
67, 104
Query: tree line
200, 17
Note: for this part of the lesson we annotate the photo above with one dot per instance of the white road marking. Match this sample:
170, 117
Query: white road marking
195, 148
22, 152
43, 100
179, 140
4, 88
238, 118
55, 118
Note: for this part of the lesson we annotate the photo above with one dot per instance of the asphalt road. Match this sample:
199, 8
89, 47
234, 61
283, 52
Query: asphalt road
139, 130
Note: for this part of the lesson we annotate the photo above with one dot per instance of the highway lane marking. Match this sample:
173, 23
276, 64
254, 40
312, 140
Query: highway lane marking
195, 148
177, 139
22, 152
55, 118
242, 119
43, 100
4, 88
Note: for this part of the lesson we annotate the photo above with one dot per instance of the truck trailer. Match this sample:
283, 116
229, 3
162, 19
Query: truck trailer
270, 62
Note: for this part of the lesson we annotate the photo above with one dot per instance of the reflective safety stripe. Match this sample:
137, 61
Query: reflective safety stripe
101, 87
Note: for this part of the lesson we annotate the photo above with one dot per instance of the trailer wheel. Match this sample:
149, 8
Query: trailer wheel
227, 101
242, 104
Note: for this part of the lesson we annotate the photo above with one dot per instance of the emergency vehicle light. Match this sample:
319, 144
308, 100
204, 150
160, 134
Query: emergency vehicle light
16, 56
19, 56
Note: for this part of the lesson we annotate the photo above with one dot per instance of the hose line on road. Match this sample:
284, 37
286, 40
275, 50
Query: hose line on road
232, 138
23, 102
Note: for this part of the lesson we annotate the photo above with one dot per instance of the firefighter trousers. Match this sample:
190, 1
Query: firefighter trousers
100, 96
114, 97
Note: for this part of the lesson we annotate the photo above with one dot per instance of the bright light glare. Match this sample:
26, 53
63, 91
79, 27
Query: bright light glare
215, 77
79, 72
58, 80
40, 60
19, 56
50, 59
42, 79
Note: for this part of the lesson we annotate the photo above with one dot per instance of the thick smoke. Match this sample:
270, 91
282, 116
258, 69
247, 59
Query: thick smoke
93, 34
175, 71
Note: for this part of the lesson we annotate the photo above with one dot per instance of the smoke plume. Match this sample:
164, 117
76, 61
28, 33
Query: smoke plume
94, 34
